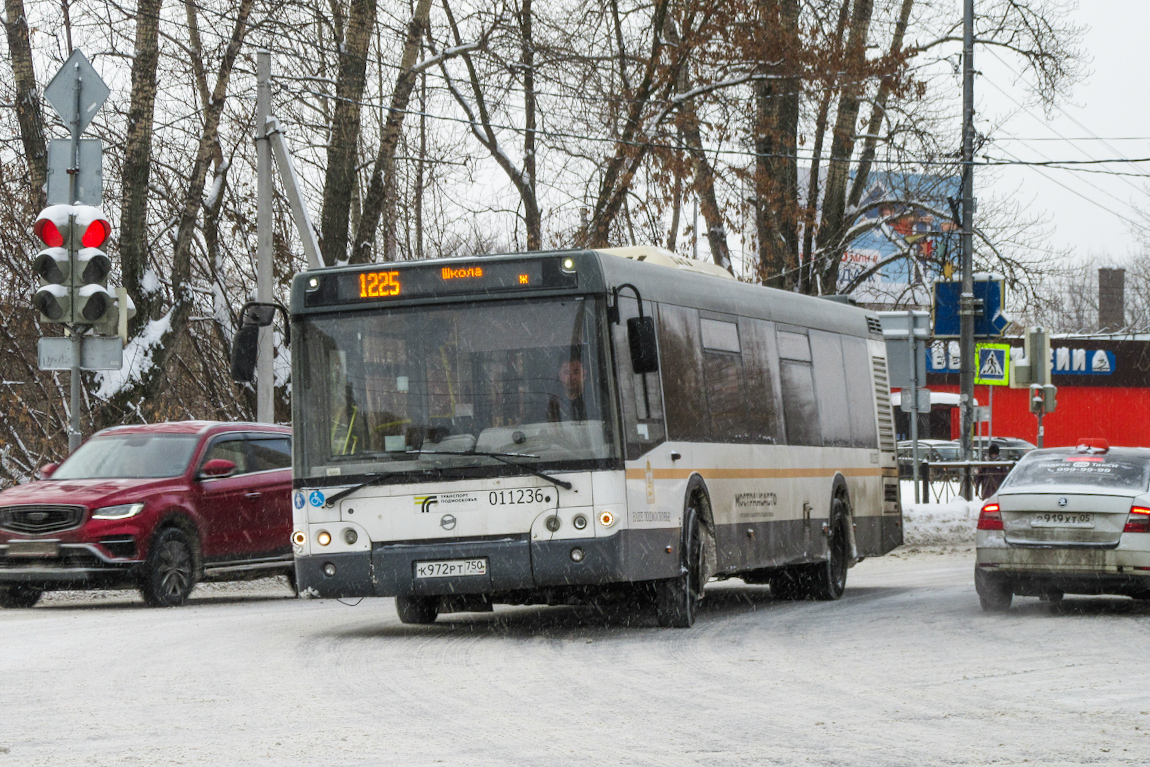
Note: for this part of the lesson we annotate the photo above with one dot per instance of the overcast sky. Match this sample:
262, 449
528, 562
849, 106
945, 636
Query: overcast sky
1090, 213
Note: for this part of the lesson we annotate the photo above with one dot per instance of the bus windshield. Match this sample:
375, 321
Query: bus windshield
424, 388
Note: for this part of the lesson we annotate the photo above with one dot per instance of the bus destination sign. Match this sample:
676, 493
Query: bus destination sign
432, 280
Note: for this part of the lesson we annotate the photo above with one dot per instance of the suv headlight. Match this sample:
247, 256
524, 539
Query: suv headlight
118, 512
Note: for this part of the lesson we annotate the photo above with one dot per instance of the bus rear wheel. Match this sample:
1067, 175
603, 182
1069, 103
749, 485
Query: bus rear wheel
417, 610
829, 578
676, 599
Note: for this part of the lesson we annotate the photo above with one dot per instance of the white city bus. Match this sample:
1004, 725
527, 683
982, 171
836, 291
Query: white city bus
539, 428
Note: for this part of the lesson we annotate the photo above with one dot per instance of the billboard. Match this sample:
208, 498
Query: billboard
908, 214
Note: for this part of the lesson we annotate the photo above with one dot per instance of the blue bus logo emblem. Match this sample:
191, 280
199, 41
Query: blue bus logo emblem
316, 498
299, 501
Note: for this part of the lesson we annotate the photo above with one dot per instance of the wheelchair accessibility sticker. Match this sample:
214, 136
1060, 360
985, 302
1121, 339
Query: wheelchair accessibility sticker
316, 498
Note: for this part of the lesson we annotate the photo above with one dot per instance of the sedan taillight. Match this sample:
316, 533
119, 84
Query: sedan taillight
1138, 521
990, 518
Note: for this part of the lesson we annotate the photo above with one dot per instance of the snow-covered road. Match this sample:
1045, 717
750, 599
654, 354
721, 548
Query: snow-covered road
905, 670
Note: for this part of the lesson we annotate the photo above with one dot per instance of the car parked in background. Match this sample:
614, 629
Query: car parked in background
1067, 520
1009, 448
932, 450
157, 507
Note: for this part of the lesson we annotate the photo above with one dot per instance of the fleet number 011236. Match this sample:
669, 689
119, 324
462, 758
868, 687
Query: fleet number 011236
517, 496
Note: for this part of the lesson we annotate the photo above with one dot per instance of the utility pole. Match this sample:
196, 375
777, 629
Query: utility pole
966, 301
265, 374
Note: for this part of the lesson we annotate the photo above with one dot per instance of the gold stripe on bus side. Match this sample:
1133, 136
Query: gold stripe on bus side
752, 473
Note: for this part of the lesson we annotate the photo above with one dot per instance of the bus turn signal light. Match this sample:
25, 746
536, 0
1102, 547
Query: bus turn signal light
606, 518
1138, 521
299, 538
990, 518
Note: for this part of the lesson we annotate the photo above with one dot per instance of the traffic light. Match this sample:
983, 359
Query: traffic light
73, 271
1043, 398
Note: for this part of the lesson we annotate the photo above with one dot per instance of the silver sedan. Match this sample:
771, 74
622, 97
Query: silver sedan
1067, 520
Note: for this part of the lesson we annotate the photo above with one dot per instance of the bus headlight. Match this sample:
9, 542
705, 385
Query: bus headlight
552, 523
568, 264
324, 538
299, 538
579, 522
351, 536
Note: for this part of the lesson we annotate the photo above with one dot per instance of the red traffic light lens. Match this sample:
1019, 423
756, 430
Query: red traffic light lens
96, 234
48, 233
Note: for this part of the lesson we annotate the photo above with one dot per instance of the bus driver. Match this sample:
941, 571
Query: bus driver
570, 405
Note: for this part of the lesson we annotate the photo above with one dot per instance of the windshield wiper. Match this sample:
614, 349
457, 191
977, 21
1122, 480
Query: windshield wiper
503, 457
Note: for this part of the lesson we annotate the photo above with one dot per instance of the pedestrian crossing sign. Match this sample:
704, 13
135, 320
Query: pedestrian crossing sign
993, 364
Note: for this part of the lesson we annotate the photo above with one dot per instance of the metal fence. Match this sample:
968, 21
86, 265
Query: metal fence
943, 481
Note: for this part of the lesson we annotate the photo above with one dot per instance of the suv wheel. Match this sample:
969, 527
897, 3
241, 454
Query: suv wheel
171, 570
19, 595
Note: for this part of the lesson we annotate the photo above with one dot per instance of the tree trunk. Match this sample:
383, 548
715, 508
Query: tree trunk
342, 149
383, 176
620, 169
138, 162
866, 157
776, 140
29, 113
704, 172
808, 274
481, 128
154, 378
833, 221
533, 219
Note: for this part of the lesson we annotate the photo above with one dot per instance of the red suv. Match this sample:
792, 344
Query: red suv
157, 507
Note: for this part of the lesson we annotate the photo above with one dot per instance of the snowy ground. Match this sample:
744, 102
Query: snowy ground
944, 519
905, 670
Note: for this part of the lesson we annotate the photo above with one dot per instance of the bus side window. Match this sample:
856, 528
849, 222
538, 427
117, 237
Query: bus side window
681, 366
799, 409
642, 430
831, 388
860, 392
723, 373
761, 368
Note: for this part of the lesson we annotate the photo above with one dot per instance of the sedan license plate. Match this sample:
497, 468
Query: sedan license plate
34, 549
1062, 519
450, 568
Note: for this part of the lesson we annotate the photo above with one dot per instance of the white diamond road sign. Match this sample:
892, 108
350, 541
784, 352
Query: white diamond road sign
61, 92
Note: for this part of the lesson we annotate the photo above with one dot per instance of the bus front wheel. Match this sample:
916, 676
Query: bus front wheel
418, 610
676, 599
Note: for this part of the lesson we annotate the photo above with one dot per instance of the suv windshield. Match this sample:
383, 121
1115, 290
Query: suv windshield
1120, 472
388, 390
129, 456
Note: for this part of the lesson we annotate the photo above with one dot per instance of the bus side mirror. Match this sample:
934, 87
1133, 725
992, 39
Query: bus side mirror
246, 344
641, 338
245, 349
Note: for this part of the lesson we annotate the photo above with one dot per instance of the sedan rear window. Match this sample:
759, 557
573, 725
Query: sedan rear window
130, 456
1122, 472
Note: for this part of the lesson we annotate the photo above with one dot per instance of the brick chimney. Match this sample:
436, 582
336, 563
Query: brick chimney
1111, 299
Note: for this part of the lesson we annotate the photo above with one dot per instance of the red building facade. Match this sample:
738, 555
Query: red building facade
1103, 391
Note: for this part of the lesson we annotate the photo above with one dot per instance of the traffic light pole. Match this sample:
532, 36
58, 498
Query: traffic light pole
74, 435
966, 302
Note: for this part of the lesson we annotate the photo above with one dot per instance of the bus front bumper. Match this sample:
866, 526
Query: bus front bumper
513, 564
